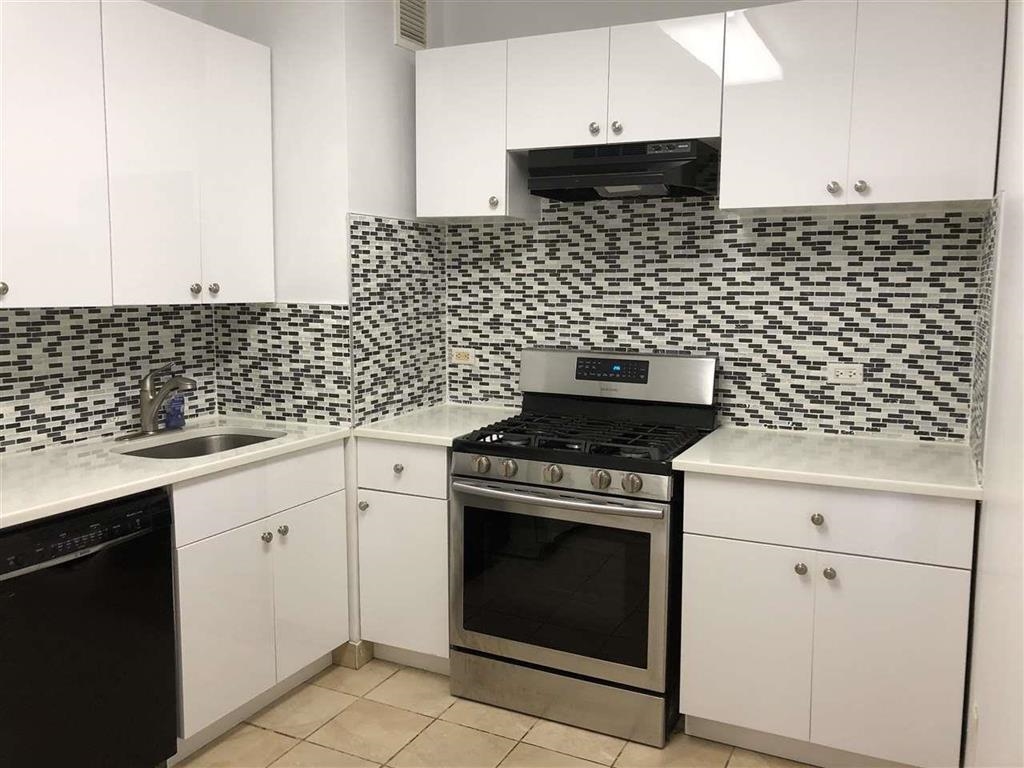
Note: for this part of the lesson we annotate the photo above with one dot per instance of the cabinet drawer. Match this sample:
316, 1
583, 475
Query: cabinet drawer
387, 465
300, 477
900, 526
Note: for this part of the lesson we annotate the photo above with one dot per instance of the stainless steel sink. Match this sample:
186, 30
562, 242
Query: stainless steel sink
202, 446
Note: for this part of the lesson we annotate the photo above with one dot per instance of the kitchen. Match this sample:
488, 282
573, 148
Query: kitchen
564, 384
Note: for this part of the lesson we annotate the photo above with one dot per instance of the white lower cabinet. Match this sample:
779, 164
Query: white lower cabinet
403, 571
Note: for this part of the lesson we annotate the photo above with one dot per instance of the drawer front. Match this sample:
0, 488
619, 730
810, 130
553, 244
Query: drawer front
300, 477
900, 526
386, 465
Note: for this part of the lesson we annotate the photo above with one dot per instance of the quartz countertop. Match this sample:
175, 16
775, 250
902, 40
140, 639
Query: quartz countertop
905, 466
37, 484
436, 425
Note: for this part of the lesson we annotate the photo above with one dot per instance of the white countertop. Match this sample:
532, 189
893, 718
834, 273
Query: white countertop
905, 466
36, 484
437, 425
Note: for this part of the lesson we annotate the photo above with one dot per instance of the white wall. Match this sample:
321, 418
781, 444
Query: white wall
997, 661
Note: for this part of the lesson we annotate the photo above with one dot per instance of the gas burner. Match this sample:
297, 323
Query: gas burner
503, 438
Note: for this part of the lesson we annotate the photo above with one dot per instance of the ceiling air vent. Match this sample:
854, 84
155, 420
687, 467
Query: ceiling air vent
411, 24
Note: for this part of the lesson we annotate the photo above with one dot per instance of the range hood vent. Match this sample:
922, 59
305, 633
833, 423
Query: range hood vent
678, 168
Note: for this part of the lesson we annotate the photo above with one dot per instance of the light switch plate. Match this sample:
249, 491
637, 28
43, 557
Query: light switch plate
845, 373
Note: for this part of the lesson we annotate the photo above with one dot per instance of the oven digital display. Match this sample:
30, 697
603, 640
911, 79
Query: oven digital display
612, 369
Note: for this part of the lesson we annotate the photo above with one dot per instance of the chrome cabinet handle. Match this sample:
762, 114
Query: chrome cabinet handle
283, 530
399, 468
4, 288
594, 129
818, 519
363, 506
267, 537
833, 188
800, 568
861, 186
616, 127
196, 289
492, 201
214, 288
829, 573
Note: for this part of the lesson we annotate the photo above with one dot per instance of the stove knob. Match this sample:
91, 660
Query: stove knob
509, 468
632, 483
553, 473
482, 464
600, 478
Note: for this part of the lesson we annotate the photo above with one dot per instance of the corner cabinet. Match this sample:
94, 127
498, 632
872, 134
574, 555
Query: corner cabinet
865, 654
861, 102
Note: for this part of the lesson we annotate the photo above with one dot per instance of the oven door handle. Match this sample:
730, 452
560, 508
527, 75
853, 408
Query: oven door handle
563, 503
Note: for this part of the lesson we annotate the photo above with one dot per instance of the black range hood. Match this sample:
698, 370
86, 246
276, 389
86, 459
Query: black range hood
676, 168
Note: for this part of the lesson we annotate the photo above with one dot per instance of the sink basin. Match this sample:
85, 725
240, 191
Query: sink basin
202, 446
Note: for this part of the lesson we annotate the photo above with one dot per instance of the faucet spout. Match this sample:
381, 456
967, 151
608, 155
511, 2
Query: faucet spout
150, 402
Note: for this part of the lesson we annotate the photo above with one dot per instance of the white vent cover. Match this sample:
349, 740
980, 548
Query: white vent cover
411, 24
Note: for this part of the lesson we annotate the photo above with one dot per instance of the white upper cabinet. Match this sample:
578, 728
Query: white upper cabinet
236, 174
786, 104
558, 89
665, 79
926, 95
54, 233
154, 78
462, 168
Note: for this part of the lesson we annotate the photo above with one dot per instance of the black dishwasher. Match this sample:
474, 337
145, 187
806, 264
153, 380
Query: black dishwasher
87, 643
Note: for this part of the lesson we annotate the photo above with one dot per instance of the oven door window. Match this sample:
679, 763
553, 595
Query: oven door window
572, 587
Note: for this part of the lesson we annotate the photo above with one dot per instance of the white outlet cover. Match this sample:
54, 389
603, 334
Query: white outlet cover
845, 373
463, 356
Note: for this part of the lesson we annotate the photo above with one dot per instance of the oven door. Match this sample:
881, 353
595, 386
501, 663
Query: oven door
570, 581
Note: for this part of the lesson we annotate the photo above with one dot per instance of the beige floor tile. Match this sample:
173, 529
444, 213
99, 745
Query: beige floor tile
743, 758
483, 717
447, 745
370, 730
300, 712
243, 747
595, 747
357, 682
415, 690
529, 756
682, 751
306, 755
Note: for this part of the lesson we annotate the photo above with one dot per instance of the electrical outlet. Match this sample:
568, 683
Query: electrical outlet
845, 373
463, 356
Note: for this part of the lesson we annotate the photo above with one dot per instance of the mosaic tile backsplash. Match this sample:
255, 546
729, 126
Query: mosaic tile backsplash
775, 297
398, 316
983, 335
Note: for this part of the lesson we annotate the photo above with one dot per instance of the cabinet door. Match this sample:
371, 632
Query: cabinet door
403, 571
926, 94
55, 236
786, 104
226, 623
310, 582
460, 131
890, 644
665, 79
746, 635
557, 87
237, 208
153, 69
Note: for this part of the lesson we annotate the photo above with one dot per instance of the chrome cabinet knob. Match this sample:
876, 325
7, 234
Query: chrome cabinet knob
196, 289
553, 473
4, 288
800, 568
829, 573
833, 188
509, 467
492, 201
632, 482
601, 479
283, 530
594, 129
214, 288
363, 506
482, 465
860, 186
818, 519
399, 468
267, 537
616, 127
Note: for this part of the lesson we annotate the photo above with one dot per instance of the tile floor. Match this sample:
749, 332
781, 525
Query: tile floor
384, 714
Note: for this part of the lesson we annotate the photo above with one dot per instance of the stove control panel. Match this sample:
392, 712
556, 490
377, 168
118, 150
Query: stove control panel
627, 370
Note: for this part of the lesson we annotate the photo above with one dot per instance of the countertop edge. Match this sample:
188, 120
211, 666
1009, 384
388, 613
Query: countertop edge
419, 438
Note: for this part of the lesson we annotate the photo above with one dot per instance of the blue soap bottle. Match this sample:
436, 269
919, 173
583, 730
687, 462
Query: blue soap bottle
174, 415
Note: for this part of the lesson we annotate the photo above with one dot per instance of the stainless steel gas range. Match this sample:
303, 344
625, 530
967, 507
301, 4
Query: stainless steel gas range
566, 541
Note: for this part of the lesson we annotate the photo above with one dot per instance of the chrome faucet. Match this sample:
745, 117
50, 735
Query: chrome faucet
149, 403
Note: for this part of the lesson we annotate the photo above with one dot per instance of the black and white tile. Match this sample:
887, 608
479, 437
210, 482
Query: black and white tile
983, 335
777, 297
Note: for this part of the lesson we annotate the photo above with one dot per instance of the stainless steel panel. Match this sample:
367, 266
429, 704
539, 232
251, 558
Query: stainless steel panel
603, 708
671, 378
576, 502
